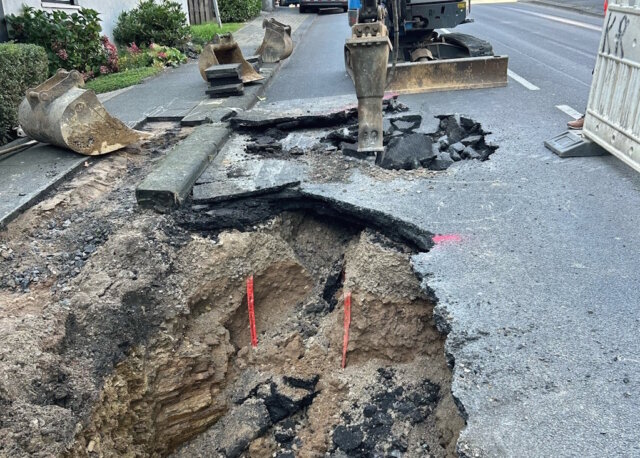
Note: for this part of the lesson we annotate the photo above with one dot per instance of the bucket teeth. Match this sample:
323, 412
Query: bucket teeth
224, 50
277, 44
61, 113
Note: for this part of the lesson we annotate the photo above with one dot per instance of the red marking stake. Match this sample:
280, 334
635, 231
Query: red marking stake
252, 314
347, 323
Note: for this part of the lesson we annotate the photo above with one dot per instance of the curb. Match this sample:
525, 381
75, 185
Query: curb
170, 183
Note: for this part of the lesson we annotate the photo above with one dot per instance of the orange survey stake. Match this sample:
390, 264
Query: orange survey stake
347, 323
252, 314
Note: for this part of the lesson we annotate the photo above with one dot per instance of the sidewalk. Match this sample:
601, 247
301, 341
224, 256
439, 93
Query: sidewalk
171, 96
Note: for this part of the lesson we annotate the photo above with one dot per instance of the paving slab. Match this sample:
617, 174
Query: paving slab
26, 175
176, 90
234, 174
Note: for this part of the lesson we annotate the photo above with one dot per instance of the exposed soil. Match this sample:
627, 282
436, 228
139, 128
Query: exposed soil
124, 332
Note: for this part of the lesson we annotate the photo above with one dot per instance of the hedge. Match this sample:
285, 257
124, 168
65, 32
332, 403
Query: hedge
22, 66
163, 23
239, 10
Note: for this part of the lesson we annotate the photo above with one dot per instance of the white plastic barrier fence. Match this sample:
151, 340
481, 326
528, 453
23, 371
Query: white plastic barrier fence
613, 113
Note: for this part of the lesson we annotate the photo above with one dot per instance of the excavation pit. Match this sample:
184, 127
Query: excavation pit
189, 383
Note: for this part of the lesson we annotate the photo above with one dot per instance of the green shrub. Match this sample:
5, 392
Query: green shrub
203, 33
135, 57
155, 55
72, 41
239, 10
21, 66
164, 23
166, 56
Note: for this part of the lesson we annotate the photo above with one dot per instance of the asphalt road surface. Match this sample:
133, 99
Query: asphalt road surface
550, 48
541, 296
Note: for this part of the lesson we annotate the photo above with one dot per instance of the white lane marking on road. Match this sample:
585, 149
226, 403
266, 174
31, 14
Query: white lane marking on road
542, 63
584, 25
575, 114
521, 80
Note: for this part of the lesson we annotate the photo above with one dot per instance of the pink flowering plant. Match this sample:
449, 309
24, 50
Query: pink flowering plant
112, 55
72, 41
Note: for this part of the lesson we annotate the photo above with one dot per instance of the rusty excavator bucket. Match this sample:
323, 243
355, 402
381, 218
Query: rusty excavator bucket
61, 113
277, 44
368, 52
223, 50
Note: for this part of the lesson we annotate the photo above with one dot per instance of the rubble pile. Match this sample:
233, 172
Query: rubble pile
407, 145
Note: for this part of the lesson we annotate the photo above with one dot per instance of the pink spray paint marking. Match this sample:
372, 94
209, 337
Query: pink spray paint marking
447, 238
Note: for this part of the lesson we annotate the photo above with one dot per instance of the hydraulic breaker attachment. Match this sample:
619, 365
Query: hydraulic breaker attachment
60, 112
366, 56
277, 44
223, 50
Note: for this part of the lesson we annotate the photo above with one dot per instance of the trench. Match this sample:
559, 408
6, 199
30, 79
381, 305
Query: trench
195, 387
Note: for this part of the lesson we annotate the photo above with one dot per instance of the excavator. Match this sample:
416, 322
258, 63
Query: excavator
421, 59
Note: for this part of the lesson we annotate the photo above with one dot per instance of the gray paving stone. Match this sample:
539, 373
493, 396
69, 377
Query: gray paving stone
26, 175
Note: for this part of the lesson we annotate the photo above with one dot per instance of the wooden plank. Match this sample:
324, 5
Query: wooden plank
209, 10
203, 11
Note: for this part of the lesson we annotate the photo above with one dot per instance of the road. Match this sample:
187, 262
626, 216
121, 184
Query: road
594, 7
551, 48
540, 298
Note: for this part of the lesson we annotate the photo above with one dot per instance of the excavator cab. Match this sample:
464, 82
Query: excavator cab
418, 17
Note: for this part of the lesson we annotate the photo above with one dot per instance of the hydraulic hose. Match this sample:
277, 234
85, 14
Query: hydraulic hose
396, 40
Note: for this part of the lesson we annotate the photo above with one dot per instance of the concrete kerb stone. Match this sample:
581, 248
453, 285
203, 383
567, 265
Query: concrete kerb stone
170, 182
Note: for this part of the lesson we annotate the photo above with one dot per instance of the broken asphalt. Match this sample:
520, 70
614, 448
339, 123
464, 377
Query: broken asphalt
537, 287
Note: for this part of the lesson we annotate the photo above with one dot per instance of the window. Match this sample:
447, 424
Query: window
60, 4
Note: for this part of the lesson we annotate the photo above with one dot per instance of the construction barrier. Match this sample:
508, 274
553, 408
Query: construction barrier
613, 113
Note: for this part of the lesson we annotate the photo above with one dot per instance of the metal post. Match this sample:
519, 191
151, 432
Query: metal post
217, 11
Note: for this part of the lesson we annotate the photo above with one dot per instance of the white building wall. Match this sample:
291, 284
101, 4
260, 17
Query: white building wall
109, 9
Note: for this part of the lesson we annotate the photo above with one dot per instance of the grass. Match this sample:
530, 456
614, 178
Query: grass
205, 32
114, 81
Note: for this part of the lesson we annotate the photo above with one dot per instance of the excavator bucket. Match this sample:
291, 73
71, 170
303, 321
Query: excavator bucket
277, 44
223, 50
60, 112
